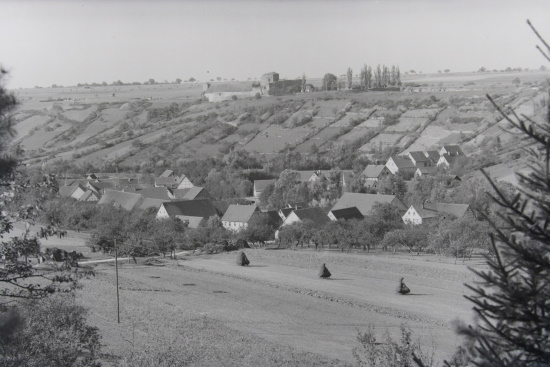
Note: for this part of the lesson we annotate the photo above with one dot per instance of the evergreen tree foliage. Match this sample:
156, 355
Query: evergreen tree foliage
512, 298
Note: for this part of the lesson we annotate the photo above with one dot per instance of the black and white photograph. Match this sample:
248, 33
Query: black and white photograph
275, 183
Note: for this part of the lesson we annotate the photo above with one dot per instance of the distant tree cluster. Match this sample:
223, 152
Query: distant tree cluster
381, 77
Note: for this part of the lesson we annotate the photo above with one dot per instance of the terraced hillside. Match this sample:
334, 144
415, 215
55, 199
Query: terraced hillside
130, 125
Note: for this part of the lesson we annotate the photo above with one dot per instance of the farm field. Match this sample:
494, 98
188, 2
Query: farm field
280, 299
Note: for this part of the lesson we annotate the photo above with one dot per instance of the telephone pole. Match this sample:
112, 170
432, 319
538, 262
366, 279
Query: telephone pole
117, 298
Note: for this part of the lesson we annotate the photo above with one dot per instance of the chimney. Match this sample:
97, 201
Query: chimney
423, 201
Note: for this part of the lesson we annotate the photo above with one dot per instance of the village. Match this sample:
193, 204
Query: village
174, 196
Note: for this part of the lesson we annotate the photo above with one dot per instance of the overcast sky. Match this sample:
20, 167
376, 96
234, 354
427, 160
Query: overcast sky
70, 42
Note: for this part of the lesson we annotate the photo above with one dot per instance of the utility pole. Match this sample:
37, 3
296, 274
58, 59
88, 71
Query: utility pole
117, 298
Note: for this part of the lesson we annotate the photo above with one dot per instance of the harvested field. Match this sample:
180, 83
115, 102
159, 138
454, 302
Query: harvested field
372, 122
408, 124
25, 126
280, 299
430, 137
426, 113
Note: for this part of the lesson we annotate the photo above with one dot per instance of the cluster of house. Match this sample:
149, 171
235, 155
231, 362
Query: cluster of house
174, 196
419, 163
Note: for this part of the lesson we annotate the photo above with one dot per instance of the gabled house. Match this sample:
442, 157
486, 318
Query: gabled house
365, 202
446, 160
425, 171
418, 214
236, 217
374, 173
316, 215
451, 150
100, 187
173, 182
433, 155
91, 176
193, 212
89, 195
400, 164
345, 175
191, 193
260, 186
78, 192
121, 199
66, 191
420, 159
345, 214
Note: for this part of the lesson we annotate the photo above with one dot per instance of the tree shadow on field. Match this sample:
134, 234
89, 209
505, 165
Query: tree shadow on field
257, 266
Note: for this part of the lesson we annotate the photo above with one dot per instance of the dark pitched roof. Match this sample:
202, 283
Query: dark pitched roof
419, 156
433, 155
188, 194
306, 175
66, 191
154, 193
449, 158
427, 170
274, 216
172, 180
103, 185
458, 210
87, 195
402, 163
260, 185
453, 149
167, 173
121, 199
365, 202
151, 203
347, 213
373, 170
316, 215
286, 211
192, 208
239, 213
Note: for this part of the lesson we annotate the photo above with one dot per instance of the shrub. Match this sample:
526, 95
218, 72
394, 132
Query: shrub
234, 97
257, 96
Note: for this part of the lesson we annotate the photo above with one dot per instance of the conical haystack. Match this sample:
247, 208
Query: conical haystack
403, 289
242, 260
323, 272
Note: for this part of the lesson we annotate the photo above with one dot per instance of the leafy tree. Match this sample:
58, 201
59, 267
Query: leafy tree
192, 80
261, 228
178, 81
329, 82
412, 238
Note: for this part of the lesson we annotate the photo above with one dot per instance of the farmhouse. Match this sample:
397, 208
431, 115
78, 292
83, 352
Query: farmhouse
260, 186
193, 212
153, 193
418, 214
345, 175
219, 92
400, 164
316, 215
420, 159
345, 214
446, 160
89, 195
309, 176
152, 203
121, 199
374, 173
433, 155
236, 217
425, 171
365, 202
167, 173
174, 182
